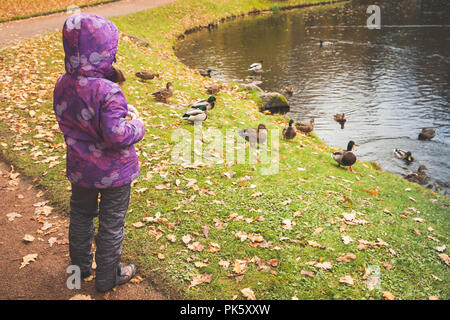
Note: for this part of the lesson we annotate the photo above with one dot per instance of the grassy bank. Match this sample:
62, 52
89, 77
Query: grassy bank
24, 9
228, 225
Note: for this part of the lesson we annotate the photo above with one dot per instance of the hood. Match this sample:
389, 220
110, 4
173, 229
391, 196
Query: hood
90, 44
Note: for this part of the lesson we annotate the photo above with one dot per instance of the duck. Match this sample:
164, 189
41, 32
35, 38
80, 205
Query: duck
289, 131
325, 43
403, 155
417, 177
119, 77
427, 134
345, 157
258, 135
213, 89
340, 118
256, 67
205, 73
144, 75
305, 128
196, 115
164, 93
289, 90
209, 103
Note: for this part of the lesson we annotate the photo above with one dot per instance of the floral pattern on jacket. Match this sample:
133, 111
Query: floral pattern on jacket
91, 109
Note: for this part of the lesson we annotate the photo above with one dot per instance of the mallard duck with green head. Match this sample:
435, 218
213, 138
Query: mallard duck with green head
209, 103
196, 115
403, 155
345, 158
164, 93
289, 131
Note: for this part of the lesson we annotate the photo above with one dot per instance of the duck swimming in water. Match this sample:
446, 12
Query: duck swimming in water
403, 155
427, 134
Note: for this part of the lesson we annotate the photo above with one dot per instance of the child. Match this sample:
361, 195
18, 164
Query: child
101, 158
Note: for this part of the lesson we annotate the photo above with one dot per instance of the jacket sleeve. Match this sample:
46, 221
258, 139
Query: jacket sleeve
116, 131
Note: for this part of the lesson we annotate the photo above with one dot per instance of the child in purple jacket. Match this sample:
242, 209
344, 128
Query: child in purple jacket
101, 158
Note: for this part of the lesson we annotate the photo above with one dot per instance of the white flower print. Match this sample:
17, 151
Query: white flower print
87, 114
70, 141
75, 176
74, 22
96, 58
108, 181
74, 61
60, 108
97, 153
82, 81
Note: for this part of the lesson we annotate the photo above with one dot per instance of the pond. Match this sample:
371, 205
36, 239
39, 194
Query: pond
390, 83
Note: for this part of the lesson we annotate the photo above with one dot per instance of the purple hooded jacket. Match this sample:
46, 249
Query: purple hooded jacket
91, 109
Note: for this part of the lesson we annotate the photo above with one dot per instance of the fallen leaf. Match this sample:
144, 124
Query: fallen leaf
445, 258
52, 240
248, 293
388, 296
347, 280
187, 238
310, 274
81, 297
11, 216
199, 264
28, 238
346, 258
171, 237
27, 259
346, 239
213, 247
205, 230
201, 278
224, 263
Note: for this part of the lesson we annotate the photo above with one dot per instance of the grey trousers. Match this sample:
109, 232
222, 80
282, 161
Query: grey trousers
111, 210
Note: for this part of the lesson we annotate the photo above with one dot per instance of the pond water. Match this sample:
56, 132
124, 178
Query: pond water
390, 83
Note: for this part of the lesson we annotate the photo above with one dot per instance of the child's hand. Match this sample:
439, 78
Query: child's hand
133, 113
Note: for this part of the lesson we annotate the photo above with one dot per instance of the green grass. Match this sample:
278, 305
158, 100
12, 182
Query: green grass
320, 191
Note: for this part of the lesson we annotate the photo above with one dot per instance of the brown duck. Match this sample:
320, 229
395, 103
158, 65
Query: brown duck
340, 118
289, 131
305, 128
289, 91
417, 177
258, 135
144, 75
427, 134
214, 88
164, 93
